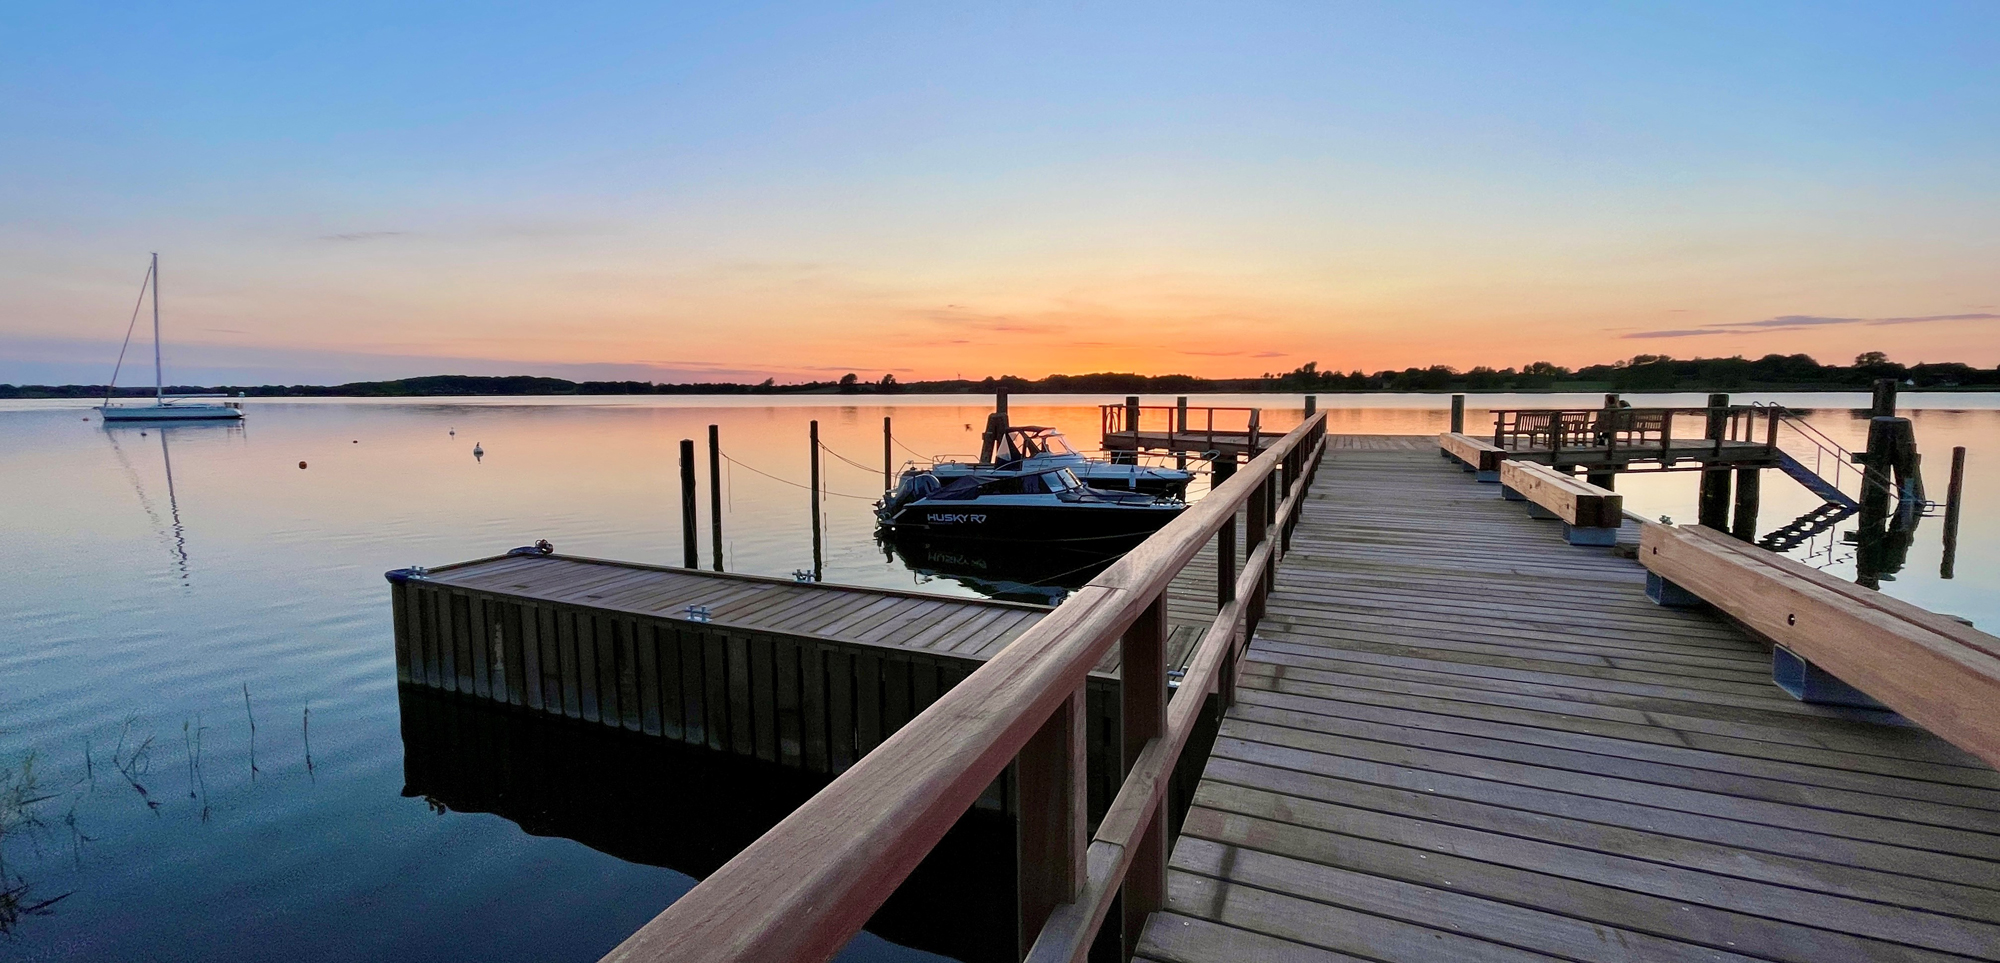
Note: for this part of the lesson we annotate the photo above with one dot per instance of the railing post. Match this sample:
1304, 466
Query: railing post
1253, 535
1225, 593
1142, 688
1051, 788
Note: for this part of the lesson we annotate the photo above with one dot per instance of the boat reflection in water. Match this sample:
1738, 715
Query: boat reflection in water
651, 801
1044, 574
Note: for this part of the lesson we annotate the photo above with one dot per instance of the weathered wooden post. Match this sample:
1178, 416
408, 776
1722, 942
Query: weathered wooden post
996, 428
888, 456
813, 433
1179, 427
1606, 475
687, 504
1714, 505
715, 494
1256, 432
1749, 486
1142, 689
1882, 403
1312, 405
1051, 786
1457, 414
1952, 496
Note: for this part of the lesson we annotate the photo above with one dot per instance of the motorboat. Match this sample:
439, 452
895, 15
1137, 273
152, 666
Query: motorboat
1048, 506
165, 407
1031, 449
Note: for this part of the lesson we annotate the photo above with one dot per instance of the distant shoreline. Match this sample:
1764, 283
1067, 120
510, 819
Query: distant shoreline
1645, 374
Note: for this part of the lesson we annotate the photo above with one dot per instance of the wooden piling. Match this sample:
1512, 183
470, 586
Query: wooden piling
1749, 488
1457, 414
813, 455
1312, 406
1180, 426
690, 557
888, 456
1882, 403
1952, 496
715, 495
1714, 502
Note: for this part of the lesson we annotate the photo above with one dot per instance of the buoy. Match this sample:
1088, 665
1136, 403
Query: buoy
477, 452
302, 464
454, 432
357, 441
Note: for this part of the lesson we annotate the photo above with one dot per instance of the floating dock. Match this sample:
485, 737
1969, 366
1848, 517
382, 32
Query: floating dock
804, 674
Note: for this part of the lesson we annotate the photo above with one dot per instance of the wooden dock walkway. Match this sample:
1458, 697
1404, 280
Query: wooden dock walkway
1457, 737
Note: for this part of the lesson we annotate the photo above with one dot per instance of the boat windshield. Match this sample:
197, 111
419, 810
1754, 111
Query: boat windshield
1028, 441
1054, 443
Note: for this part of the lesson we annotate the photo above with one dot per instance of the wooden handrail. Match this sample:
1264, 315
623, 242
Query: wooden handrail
804, 888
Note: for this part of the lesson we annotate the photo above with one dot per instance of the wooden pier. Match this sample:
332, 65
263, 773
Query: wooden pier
1457, 737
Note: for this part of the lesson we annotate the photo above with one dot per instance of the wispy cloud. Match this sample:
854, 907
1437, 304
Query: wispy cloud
1790, 322
363, 236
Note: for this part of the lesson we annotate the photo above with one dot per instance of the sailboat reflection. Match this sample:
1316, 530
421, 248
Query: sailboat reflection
172, 530
1016, 572
652, 801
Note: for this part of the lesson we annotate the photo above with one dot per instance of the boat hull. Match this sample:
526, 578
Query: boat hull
171, 413
1107, 526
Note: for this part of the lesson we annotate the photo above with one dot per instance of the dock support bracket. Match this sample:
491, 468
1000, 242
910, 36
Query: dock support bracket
1512, 495
1537, 511
1807, 682
1666, 593
1582, 535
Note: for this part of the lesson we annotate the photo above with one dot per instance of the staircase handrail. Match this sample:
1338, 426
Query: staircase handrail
1821, 442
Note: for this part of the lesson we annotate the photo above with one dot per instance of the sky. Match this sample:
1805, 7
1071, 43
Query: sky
684, 192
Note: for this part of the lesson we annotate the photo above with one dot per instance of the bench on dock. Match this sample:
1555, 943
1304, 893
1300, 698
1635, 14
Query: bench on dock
1474, 455
1837, 642
1590, 515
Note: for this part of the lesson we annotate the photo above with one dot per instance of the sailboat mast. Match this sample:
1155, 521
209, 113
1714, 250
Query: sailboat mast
159, 379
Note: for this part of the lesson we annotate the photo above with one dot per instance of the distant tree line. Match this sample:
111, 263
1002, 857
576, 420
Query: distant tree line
1646, 372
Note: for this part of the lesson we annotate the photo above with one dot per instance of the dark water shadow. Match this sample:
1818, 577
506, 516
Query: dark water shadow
652, 801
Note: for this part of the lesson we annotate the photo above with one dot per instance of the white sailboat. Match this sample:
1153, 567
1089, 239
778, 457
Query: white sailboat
165, 407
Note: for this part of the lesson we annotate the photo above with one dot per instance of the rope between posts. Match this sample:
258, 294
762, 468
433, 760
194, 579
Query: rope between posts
823, 447
787, 481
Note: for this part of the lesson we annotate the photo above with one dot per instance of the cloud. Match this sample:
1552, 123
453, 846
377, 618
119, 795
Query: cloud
363, 236
1676, 333
1793, 322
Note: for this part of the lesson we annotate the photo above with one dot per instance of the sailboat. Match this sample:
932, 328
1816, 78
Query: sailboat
165, 407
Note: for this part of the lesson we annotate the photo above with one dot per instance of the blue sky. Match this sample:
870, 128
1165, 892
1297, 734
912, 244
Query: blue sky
680, 192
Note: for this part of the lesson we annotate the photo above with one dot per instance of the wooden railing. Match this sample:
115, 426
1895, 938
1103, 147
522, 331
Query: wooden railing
802, 890
1181, 422
1640, 430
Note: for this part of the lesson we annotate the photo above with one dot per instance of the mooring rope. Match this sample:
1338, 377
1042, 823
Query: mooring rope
787, 481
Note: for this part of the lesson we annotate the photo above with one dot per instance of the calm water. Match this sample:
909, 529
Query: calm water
152, 615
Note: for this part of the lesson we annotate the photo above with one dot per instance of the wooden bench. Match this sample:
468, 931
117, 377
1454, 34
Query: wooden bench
1590, 515
1836, 642
1476, 456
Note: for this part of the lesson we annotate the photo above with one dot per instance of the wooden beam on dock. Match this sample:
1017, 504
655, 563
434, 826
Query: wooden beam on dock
1938, 672
1590, 515
1476, 455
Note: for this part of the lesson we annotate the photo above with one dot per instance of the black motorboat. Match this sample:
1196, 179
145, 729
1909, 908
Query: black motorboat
1048, 506
1031, 449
